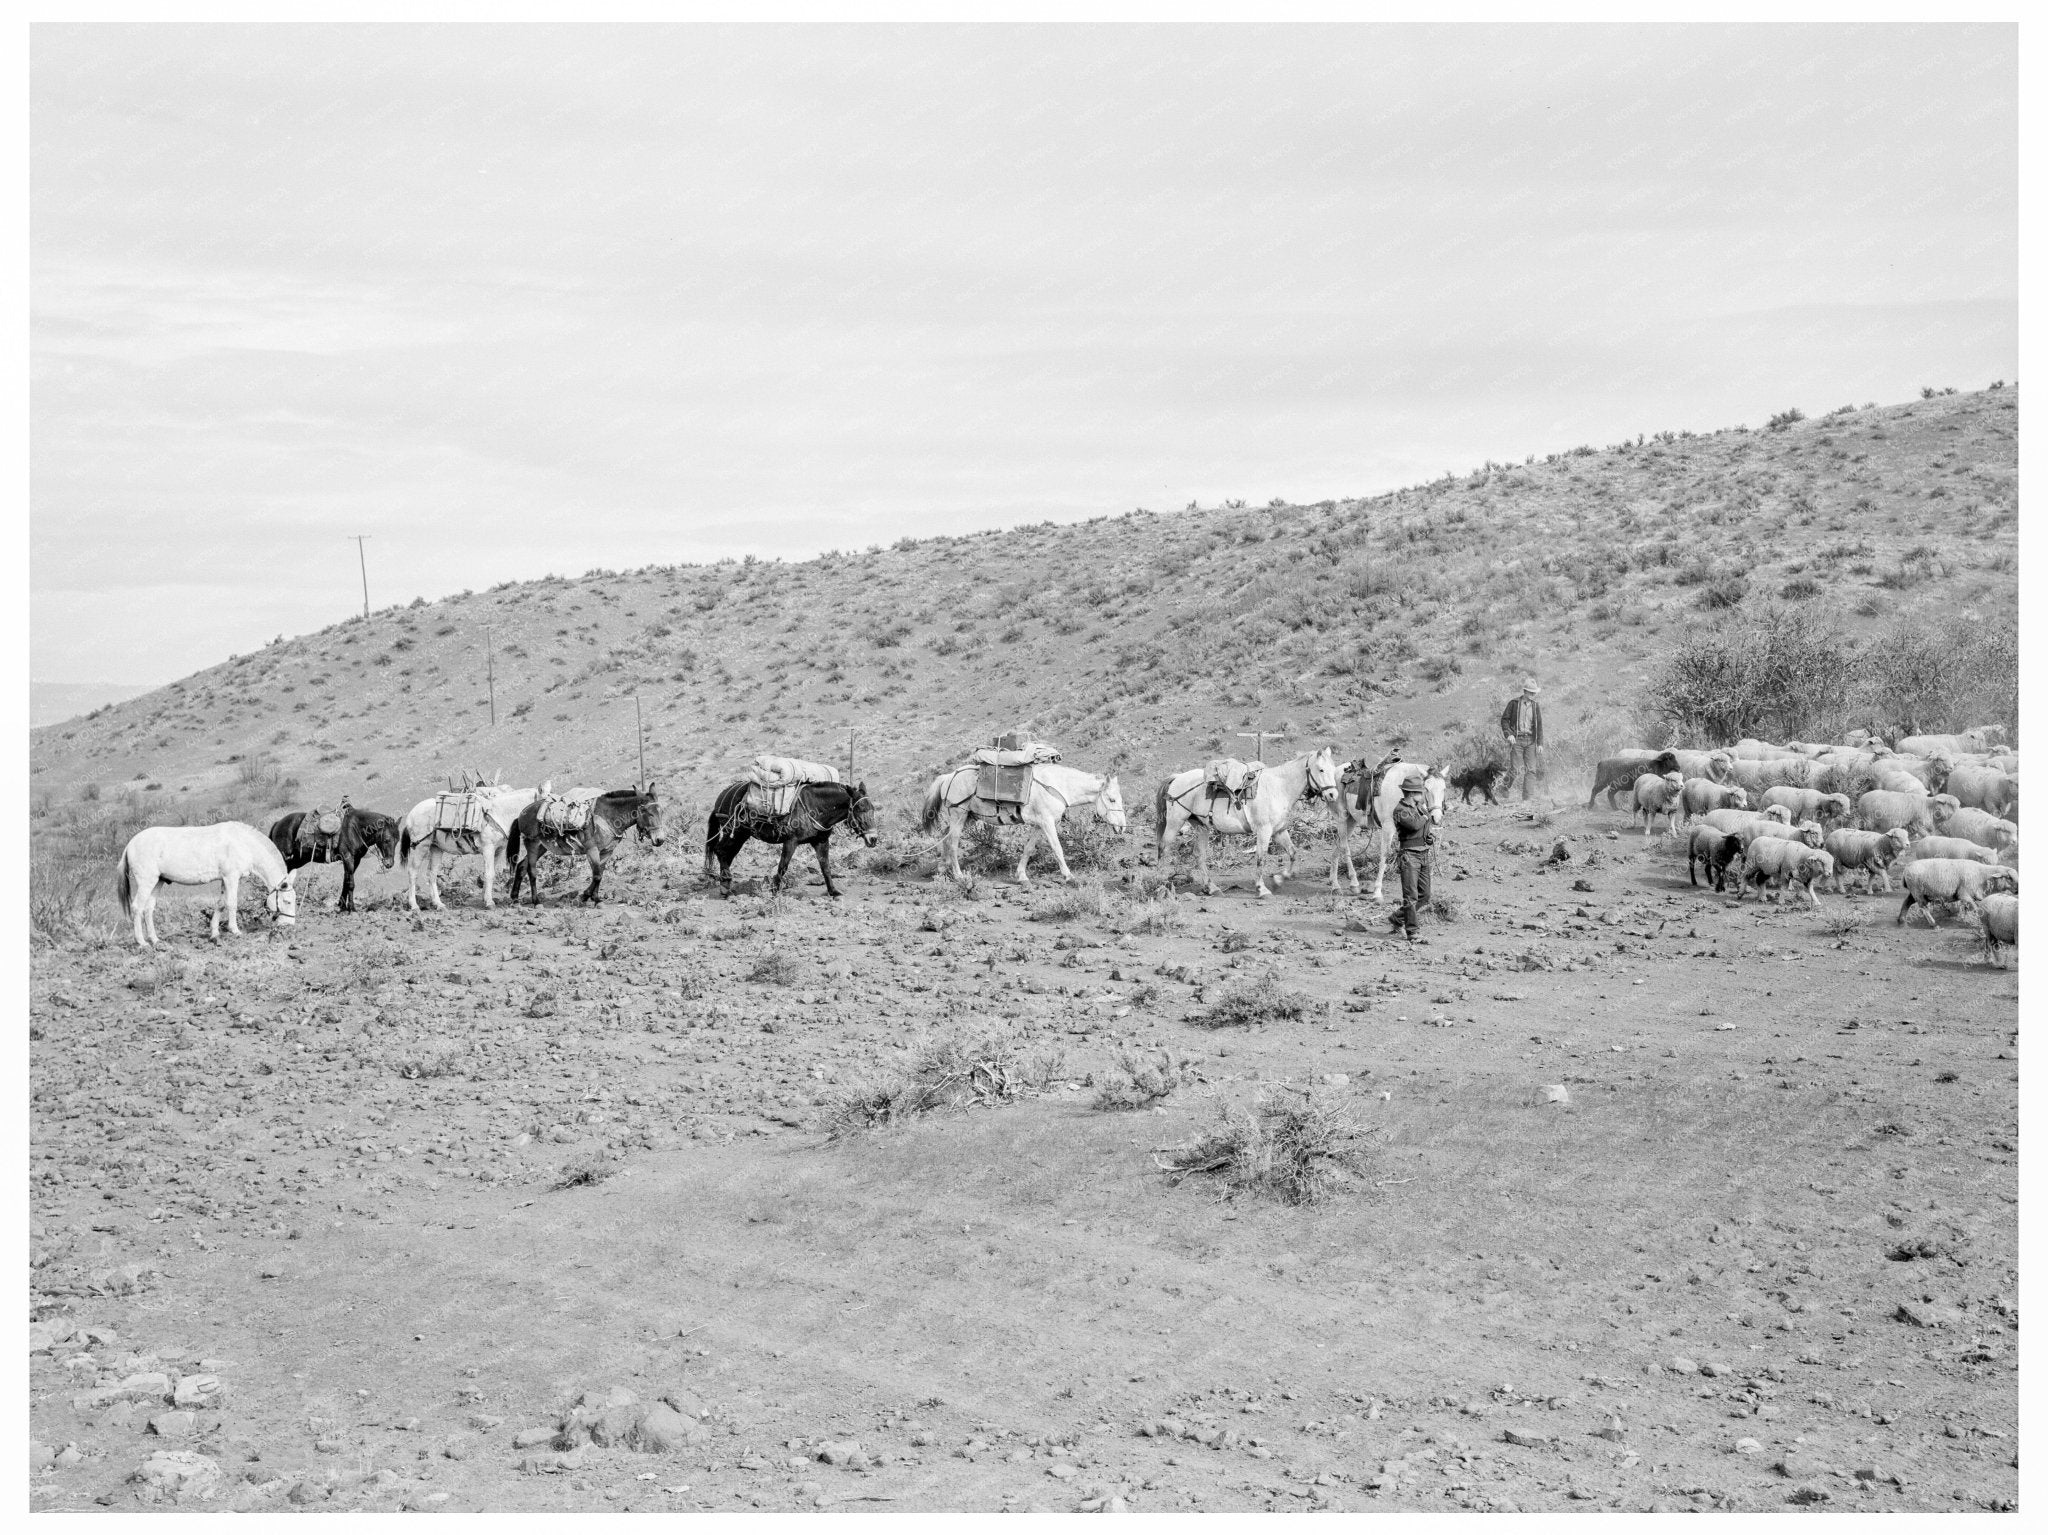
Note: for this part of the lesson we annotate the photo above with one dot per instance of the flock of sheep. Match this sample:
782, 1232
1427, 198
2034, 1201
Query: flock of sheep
1944, 808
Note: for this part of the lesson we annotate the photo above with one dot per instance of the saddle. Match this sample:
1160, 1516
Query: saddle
1237, 780
1369, 786
320, 830
459, 820
1004, 783
566, 814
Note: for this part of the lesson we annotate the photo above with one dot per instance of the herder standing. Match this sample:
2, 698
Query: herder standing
1412, 828
1521, 723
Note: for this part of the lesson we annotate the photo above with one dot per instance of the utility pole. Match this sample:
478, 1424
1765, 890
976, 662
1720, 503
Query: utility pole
851, 735
364, 565
491, 675
640, 731
1258, 738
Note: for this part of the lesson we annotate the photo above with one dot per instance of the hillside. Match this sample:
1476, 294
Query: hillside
1140, 642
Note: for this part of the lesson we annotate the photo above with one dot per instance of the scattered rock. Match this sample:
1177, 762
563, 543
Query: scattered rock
40, 1455
1748, 1446
174, 1425
179, 1475
1683, 1366
847, 1452
1555, 1092
527, 1438
1527, 1441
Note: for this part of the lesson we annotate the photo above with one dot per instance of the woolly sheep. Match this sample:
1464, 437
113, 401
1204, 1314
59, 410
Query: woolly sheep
1870, 852
1951, 882
1758, 751
1984, 788
1657, 794
1778, 862
1744, 823
1883, 809
1808, 804
1976, 739
1998, 916
1949, 847
1702, 794
1930, 772
1709, 764
1716, 850
1984, 830
1809, 832
1620, 771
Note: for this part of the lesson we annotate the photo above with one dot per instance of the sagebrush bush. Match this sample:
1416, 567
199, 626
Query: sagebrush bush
1260, 999
1291, 1144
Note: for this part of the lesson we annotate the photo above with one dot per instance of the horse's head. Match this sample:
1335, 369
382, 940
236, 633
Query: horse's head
1109, 804
1325, 778
860, 814
282, 902
382, 833
1434, 787
647, 816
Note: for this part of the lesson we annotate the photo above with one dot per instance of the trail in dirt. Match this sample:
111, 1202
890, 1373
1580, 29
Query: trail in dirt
1765, 1254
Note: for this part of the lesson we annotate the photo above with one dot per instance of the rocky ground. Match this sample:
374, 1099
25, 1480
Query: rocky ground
1667, 1202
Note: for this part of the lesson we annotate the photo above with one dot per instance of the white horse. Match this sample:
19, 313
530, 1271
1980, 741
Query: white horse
227, 851
417, 835
949, 804
1381, 816
1264, 816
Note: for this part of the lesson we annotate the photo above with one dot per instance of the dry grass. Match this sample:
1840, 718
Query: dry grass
1256, 999
950, 1073
775, 968
1141, 1082
1289, 1144
591, 1167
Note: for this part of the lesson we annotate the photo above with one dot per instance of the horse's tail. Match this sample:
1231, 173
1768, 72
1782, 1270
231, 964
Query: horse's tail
124, 885
512, 836
405, 844
934, 801
1159, 819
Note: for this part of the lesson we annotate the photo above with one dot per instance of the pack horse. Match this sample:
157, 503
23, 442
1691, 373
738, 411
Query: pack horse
1247, 799
345, 836
582, 821
787, 801
476, 819
1017, 783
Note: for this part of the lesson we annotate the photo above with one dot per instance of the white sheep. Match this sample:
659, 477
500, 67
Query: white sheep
1976, 739
1999, 918
1871, 852
1809, 804
1951, 882
1779, 862
1883, 809
1744, 823
1657, 794
1702, 794
1750, 748
1707, 764
1950, 847
1974, 825
1809, 832
1984, 788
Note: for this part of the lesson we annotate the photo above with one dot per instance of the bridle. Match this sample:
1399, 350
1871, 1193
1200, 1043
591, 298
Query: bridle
1321, 790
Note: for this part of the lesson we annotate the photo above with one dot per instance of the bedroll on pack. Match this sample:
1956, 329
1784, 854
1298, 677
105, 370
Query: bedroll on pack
568, 811
772, 799
1239, 780
770, 769
1021, 755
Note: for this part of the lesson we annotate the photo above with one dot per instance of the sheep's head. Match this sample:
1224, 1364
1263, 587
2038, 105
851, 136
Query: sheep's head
2007, 880
1815, 864
1738, 798
1944, 806
1778, 813
1834, 806
1810, 833
1900, 839
1719, 764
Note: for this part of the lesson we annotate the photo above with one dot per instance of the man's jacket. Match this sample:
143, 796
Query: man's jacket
1522, 717
1411, 825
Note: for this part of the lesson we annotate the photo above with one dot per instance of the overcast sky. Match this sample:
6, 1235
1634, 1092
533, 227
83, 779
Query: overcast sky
516, 301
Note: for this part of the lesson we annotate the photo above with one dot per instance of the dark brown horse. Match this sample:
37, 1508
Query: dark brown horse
817, 809
361, 830
612, 815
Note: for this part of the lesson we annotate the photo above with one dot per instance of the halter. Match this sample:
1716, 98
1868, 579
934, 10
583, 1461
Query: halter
1309, 776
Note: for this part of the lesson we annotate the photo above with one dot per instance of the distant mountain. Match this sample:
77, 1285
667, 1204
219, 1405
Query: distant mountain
50, 703
1139, 643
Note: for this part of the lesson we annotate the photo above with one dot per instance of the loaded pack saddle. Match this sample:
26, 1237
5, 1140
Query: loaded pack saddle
1005, 773
320, 831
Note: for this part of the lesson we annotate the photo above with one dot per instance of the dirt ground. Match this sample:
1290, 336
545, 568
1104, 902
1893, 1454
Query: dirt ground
308, 1181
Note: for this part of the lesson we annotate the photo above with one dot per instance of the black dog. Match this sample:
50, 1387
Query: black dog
1486, 777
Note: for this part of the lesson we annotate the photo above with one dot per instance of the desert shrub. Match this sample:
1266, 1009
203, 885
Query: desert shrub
1784, 419
1443, 906
1141, 1082
1725, 591
776, 968
592, 1167
1782, 674
1259, 999
1234, 940
1945, 675
1065, 903
1799, 589
950, 1073
1292, 1145
70, 900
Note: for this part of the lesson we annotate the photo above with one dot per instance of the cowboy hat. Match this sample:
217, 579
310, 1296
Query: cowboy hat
1530, 686
1415, 778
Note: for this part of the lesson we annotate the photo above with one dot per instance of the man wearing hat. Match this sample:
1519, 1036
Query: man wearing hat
1521, 723
1411, 826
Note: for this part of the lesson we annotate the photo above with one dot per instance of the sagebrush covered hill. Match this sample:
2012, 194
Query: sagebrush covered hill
1141, 642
